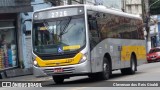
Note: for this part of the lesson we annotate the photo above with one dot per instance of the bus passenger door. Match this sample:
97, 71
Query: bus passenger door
94, 39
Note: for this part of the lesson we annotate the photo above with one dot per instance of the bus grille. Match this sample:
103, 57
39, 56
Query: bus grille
68, 70
51, 57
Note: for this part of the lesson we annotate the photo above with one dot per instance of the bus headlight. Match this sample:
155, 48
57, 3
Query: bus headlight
35, 63
84, 58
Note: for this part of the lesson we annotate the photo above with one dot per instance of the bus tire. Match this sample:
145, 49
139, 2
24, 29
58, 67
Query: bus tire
106, 70
58, 79
132, 68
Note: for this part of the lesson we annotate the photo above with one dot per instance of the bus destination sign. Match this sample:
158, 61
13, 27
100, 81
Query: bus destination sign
48, 14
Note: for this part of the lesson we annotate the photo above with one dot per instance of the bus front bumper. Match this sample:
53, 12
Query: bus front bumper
83, 68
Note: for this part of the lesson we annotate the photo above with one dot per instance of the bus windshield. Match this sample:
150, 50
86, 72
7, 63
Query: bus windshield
61, 35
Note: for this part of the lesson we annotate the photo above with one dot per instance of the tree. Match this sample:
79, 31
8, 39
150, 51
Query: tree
154, 7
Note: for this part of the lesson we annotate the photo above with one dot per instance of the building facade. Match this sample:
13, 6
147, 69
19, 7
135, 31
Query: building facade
107, 3
154, 31
26, 28
132, 6
158, 21
10, 35
135, 7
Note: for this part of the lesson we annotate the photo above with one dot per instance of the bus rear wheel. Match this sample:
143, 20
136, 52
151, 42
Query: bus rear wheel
58, 79
132, 68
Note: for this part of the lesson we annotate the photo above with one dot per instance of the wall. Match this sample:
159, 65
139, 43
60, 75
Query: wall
158, 30
27, 59
113, 3
108, 3
132, 6
154, 31
153, 27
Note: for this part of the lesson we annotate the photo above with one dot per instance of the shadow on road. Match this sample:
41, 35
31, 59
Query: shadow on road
119, 75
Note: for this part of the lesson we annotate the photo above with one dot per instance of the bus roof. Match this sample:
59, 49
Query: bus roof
98, 8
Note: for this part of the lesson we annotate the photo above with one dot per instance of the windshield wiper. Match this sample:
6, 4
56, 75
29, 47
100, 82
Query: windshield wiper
63, 31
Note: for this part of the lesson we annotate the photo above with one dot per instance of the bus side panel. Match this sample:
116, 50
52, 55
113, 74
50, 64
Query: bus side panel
106, 46
138, 49
125, 48
128, 50
120, 51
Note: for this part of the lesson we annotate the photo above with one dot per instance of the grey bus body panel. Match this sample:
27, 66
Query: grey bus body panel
113, 48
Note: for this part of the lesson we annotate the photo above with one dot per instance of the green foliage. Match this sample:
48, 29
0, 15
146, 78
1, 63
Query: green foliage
155, 7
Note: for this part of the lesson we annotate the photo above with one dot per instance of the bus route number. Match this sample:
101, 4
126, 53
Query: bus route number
59, 14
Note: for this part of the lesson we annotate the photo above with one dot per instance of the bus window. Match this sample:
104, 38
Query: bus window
93, 32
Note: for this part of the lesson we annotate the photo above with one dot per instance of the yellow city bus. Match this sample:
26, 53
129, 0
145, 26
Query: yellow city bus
86, 40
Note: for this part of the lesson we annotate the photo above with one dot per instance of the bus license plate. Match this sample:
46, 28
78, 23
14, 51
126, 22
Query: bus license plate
58, 70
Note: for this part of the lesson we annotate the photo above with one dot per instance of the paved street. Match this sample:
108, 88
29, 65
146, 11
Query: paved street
146, 72
74, 36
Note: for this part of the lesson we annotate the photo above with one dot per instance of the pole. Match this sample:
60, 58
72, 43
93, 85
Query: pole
146, 19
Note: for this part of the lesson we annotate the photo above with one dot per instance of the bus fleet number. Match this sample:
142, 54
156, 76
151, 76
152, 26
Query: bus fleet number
59, 14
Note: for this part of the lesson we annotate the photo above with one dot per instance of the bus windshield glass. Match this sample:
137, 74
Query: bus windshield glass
61, 35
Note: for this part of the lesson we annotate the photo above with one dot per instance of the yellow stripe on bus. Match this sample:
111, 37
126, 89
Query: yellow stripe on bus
126, 52
71, 47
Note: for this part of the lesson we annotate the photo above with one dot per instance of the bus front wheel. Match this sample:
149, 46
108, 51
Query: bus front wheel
58, 79
106, 69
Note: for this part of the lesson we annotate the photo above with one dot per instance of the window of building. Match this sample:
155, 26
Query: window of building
129, 9
76, 1
136, 7
8, 56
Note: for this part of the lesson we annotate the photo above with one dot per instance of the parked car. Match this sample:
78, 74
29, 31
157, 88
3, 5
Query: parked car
154, 55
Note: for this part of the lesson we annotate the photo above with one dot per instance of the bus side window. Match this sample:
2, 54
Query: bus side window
93, 32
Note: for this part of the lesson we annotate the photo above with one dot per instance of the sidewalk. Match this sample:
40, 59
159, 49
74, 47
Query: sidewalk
27, 78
